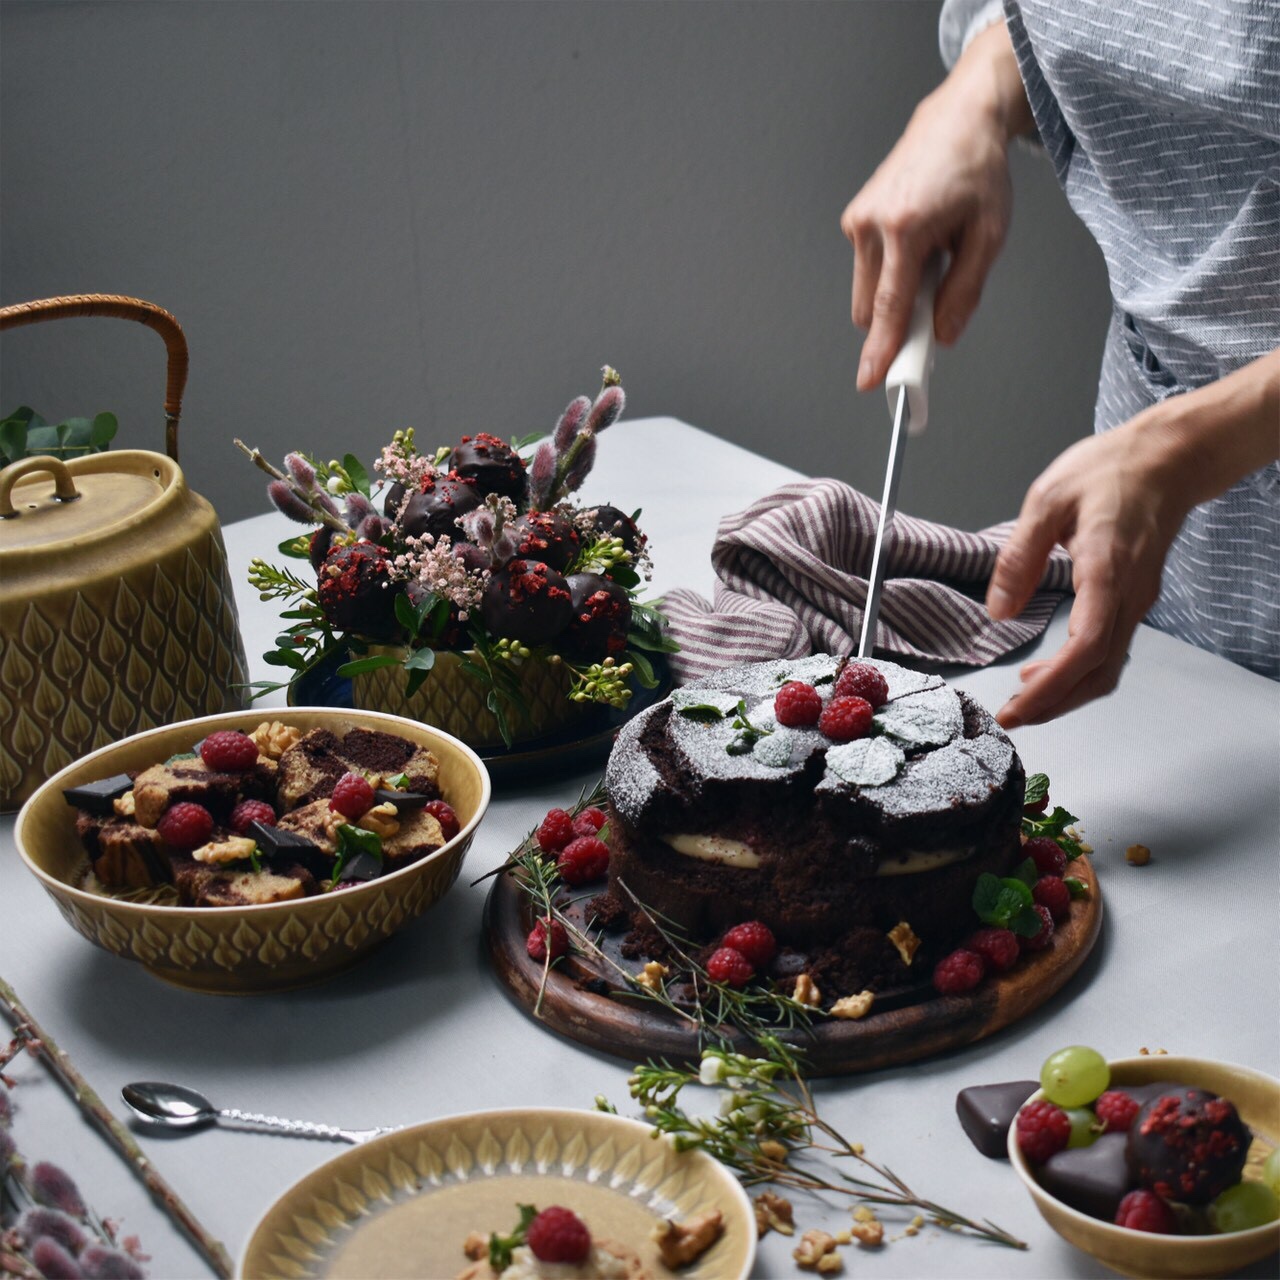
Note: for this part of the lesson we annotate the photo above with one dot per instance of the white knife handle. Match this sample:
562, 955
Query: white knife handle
913, 364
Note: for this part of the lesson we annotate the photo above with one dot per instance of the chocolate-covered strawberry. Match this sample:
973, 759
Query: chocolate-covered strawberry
601, 617
610, 522
547, 536
353, 586
435, 508
492, 464
528, 601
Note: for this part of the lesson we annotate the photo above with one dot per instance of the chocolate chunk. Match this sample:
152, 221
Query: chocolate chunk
987, 1110
97, 797
361, 866
1093, 1179
402, 800
276, 840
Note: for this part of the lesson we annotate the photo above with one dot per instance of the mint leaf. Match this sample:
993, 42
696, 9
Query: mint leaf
1053, 826
502, 1247
1037, 788
1000, 902
1076, 888
985, 894
399, 782
353, 840
1026, 922
704, 704
868, 762
1026, 872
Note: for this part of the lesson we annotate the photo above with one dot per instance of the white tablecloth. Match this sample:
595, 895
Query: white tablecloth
1183, 758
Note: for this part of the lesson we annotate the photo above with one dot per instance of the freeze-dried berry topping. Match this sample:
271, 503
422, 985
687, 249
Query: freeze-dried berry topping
1051, 892
185, 826
443, 813
248, 811
229, 751
1041, 940
797, 704
559, 1235
536, 943
1050, 860
352, 796
583, 859
844, 719
1145, 1211
555, 831
1043, 1130
862, 681
1116, 1110
961, 971
755, 940
998, 947
730, 966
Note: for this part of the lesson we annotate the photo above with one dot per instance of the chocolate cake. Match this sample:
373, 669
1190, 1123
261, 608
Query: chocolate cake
860, 855
311, 766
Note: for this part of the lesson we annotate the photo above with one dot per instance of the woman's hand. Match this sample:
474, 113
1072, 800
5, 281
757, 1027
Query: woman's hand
1116, 501
944, 186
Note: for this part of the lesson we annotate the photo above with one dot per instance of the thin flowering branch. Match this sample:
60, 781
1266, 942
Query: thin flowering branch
286, 488
40, 1044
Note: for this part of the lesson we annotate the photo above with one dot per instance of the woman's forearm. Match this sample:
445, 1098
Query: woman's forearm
986, 75
1218, 434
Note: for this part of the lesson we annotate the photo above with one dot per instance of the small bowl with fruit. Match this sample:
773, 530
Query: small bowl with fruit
1157, 1165
241, 852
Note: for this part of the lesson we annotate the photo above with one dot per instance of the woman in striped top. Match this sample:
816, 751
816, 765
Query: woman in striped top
1162, 121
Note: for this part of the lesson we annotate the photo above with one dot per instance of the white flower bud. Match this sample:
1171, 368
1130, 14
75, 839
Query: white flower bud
713, 1070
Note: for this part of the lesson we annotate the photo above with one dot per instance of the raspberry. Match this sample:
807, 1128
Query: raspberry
1036, 806
1048, 857
445, 816
352, 796
998, 947
229, 751
1041, 940
555, 831
860, 680
961, 971
1051, 892
536, 943
797, 703
844, 719
185, 826
558, 1235
1043, 1130
1116, 1110
1145, 1211
754, 940
730, 966
583, 860
248, 811
589, 821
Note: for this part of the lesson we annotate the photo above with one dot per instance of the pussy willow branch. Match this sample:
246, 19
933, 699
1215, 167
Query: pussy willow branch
42, 1045
322, 516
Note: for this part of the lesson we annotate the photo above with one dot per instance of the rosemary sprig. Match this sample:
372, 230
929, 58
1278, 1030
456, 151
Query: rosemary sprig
769, 1128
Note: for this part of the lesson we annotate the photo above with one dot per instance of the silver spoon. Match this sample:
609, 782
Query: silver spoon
177, 1107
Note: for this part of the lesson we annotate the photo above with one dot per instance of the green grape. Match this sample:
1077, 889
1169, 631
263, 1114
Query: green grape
1271, 1171
1075, 1076
1084, 1126
1247, 1204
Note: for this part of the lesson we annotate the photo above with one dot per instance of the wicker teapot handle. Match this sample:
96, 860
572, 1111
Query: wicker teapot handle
104, 304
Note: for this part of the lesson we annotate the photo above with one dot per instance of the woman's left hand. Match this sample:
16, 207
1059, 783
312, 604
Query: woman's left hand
1116, 501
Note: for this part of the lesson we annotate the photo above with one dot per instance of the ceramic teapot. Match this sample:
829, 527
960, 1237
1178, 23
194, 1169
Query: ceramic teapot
116, 605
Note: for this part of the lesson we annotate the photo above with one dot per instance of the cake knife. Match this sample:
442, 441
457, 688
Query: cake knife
907, 388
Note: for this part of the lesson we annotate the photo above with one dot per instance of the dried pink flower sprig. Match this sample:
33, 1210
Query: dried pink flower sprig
561, 464
56, 1234
432, 565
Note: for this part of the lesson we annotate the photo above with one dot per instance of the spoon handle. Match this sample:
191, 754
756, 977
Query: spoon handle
299, 1128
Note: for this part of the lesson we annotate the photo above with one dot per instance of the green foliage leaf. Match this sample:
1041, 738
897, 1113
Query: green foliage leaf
1000, 902
643, 672
103, 430
360, 665
13, 438
1037, 788
285, 658
415, 681
625, 576
298, 548
420, 659
355, 469
1054, 827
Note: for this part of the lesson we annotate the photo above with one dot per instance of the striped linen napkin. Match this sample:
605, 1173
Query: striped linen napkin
791, 572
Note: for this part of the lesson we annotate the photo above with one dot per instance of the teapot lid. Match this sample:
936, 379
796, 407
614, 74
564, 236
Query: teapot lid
56, 507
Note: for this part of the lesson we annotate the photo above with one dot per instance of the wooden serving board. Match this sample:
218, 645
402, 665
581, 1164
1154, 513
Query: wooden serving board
913, 1025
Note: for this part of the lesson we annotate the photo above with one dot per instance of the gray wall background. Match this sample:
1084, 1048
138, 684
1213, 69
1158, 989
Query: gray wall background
449, 215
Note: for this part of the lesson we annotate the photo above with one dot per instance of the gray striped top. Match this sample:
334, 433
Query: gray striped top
1162, 121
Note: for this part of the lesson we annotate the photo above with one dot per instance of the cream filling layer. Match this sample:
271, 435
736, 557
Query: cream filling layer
734, 853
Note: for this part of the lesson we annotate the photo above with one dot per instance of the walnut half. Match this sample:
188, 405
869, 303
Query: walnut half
681, 1243
773, 1212
817, 1252
273, 739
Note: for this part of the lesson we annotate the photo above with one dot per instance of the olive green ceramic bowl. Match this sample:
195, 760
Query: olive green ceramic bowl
243, 949
1141, 1253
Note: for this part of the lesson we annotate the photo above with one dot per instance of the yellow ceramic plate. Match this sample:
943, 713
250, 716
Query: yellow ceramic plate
402, 1205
